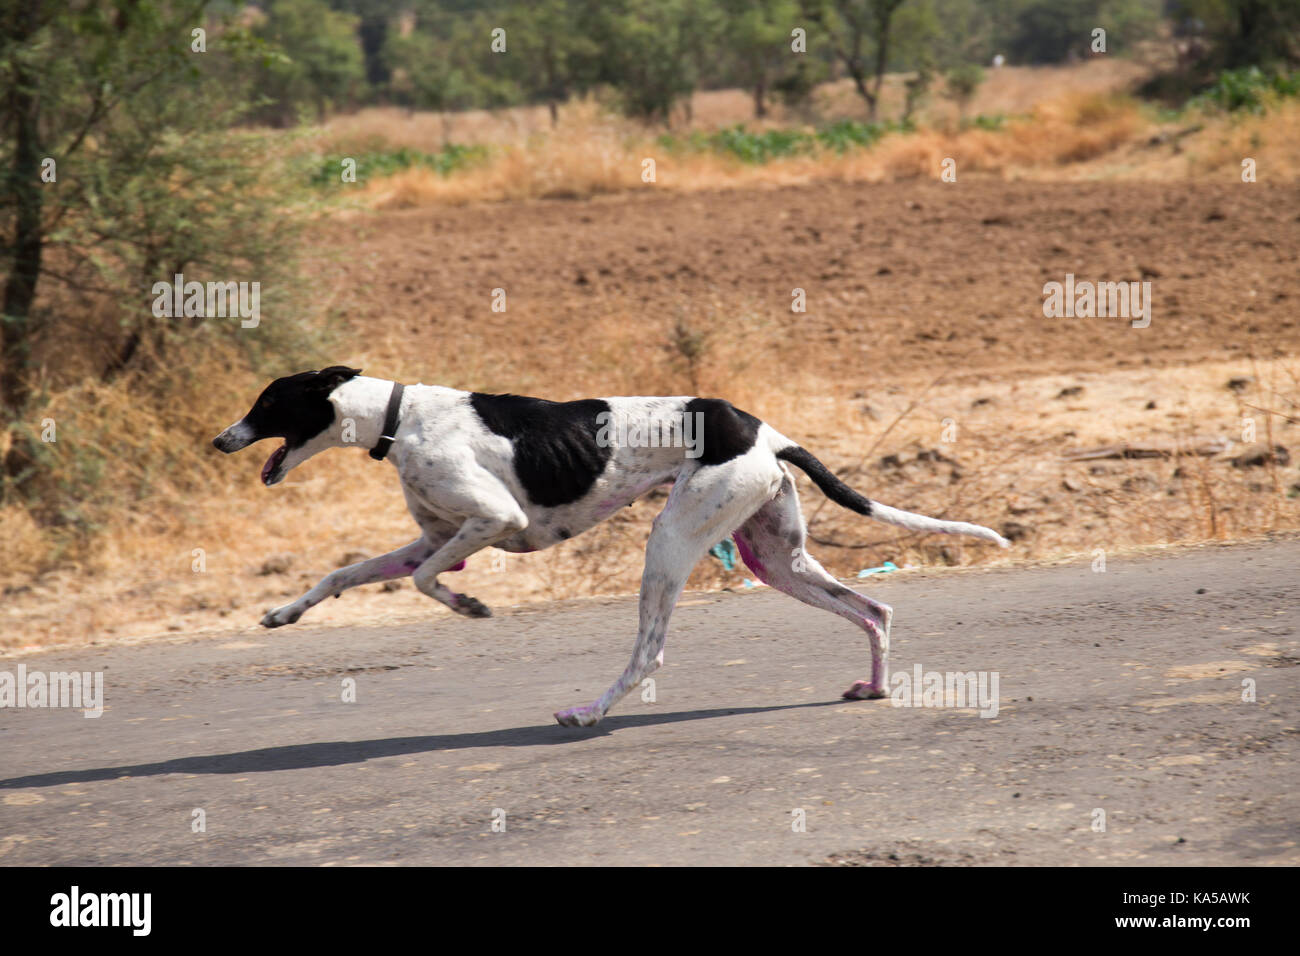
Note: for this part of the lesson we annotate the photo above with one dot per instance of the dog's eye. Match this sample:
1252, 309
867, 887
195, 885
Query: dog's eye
267, 402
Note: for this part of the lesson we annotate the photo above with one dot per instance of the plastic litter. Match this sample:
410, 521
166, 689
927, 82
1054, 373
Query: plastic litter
725, 551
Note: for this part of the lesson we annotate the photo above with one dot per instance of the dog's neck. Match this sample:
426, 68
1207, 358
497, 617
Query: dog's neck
360, 405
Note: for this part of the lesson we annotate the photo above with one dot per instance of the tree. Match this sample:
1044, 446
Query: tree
916, 89
757, 38
916, 34
23, 198
374, 21
425, 75
859, 33
962, 82
434, 68
321, 62
1247, 32
553, 58
53, 107
1050, 31
652, 54
119, 171
795, 87
954, 31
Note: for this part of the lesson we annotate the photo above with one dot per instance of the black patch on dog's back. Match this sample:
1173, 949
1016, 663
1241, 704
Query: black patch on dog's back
725, 432
556, 456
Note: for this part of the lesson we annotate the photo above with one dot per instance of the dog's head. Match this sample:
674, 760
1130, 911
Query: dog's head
296, 408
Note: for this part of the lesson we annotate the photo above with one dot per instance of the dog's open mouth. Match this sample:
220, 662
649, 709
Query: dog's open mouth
273, 463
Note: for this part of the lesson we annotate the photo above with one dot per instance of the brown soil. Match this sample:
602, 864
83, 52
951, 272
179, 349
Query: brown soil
900, 279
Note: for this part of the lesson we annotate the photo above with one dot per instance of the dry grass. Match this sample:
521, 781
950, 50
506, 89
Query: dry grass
1078, 136
599, 159
1066, 122
1271, 139
1008, 90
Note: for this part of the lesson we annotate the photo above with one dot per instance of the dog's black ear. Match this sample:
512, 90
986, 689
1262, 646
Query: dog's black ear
328, 379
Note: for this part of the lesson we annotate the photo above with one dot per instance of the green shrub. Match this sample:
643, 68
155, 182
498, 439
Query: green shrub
761, 147
995, 121
371, 165
844, 135
1248, 88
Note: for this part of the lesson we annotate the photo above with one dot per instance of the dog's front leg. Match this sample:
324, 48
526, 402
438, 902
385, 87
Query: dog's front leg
474, 535
658, 595
698, 512
395, 564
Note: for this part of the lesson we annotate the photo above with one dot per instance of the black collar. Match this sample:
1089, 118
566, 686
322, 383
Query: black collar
390, 423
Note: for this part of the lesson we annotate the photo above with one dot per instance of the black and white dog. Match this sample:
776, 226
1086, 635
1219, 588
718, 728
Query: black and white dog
521, 474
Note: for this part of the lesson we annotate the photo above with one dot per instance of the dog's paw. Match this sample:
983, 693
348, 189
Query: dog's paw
862, 690
471, 607
280, 616
578, 716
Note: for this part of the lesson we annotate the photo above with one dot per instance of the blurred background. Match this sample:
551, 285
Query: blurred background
655, 186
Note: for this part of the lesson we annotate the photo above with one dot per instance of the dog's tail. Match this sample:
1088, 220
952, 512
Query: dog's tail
842, 494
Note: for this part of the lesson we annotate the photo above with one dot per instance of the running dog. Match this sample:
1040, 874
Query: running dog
522, 474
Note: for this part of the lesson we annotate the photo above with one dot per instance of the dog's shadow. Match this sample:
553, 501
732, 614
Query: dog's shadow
338, 753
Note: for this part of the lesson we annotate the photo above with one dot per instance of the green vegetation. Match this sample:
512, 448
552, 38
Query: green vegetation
991, 122
1242, 33
751, 146
326, 171
848, 134
963, 81
645, 57
318, 63
1248, 88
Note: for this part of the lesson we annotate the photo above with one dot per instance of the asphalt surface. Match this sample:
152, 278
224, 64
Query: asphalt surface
1120, 693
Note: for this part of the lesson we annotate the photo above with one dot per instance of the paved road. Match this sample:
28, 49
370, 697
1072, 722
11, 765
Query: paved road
1118, 692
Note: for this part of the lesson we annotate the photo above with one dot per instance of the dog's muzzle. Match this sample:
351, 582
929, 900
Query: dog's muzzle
235, 437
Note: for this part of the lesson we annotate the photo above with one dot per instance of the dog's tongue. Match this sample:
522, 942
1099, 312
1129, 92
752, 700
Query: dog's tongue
276, 457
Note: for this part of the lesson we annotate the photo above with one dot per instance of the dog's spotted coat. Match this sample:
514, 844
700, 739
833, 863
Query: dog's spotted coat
521, 474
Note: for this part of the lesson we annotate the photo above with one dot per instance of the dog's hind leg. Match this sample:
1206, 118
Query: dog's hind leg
772, 544
386, 567
704, 505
